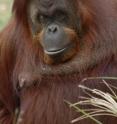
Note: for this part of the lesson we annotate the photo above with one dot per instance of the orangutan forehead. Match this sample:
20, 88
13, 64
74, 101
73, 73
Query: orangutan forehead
47, 7
51, 3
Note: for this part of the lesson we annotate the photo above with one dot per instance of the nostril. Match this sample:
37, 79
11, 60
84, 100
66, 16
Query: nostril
52, 29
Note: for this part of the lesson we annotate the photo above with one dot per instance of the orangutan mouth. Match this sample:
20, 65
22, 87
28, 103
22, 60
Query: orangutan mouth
57, 52
60, 55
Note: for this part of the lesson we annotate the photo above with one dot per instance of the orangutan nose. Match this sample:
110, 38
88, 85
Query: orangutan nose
52, 29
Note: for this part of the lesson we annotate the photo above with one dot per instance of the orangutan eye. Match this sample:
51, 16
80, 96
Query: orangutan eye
62, 16
42, 19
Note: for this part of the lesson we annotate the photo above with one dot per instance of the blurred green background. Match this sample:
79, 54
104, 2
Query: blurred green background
5, 12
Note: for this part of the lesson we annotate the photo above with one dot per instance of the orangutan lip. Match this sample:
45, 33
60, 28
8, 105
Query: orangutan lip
55, 52
58, 52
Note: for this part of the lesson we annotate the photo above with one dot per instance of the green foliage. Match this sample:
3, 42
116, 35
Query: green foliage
5, 12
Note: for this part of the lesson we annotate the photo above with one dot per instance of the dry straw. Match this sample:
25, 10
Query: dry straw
102, 103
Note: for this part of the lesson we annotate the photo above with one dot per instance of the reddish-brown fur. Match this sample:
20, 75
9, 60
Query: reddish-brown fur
41, 101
